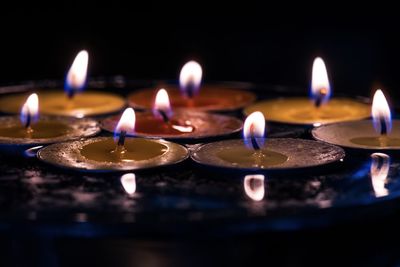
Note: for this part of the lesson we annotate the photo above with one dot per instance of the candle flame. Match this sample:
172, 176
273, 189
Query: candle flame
76, 76
190, 78
320, 87
128, 182
30, 110
254, 186
254, 128
126, 123
162, 105
379, 171
381, 115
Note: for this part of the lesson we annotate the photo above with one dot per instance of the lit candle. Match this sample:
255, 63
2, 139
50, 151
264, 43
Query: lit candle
163, 122
74, 102
30, 130
254, 152
115, 153
193, 95
320, 109
380, 133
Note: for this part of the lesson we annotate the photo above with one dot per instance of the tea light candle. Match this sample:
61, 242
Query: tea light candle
380, 133
165, 123
72, 103
28, 130
255, 153
115, 154
320, 110
193, 95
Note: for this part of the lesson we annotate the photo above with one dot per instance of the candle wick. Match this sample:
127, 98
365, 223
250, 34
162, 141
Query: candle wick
163, 115
319, 97
383, 126
253, 139
28, 120
70, 93
121, 139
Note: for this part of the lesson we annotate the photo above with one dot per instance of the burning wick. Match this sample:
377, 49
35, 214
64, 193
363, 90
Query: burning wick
253, 131
126, 124
320, 88
190, 78
29, 112
320, 97
253, 138
381, 114
76, 76
162, 106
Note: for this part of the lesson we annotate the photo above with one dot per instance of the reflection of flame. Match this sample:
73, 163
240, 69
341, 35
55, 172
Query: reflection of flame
126, 123
379, 171
320, 87
254, 186
128, 181
162, 104
30, 110
254, 128
381, 115
76, 77
190, 78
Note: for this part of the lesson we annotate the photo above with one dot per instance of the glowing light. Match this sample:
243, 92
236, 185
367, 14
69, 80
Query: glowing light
190, 78
76, 76
320, 87
381, 115
253, 130
30, 110
128, 181
254, 186
162, 106
379, 171
126, 123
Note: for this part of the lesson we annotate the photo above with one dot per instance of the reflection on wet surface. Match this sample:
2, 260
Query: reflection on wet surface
37, 192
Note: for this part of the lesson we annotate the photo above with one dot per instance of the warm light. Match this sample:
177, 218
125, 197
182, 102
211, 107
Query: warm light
126, 123
190, 78
30, 110
381, 115
254, 186
162, 105
320, 87
76, 77
379, 171
128, 181
253, 129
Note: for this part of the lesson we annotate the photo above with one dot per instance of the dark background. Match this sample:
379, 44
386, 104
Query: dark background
246, 43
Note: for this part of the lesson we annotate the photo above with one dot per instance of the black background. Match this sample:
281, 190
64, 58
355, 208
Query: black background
247, 43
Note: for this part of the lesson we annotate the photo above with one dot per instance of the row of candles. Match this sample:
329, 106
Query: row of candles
184, 113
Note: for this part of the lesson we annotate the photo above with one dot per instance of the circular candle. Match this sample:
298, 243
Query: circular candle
359, 134
210, 98
319, 110
57, 103
182, 125
101, 154
373, 134
275, 154
15, 138
301, 110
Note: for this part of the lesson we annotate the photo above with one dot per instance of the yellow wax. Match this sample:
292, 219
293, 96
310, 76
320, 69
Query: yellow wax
134, 150
303, 111
377, 141
57, 103
40, 130
243, 156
